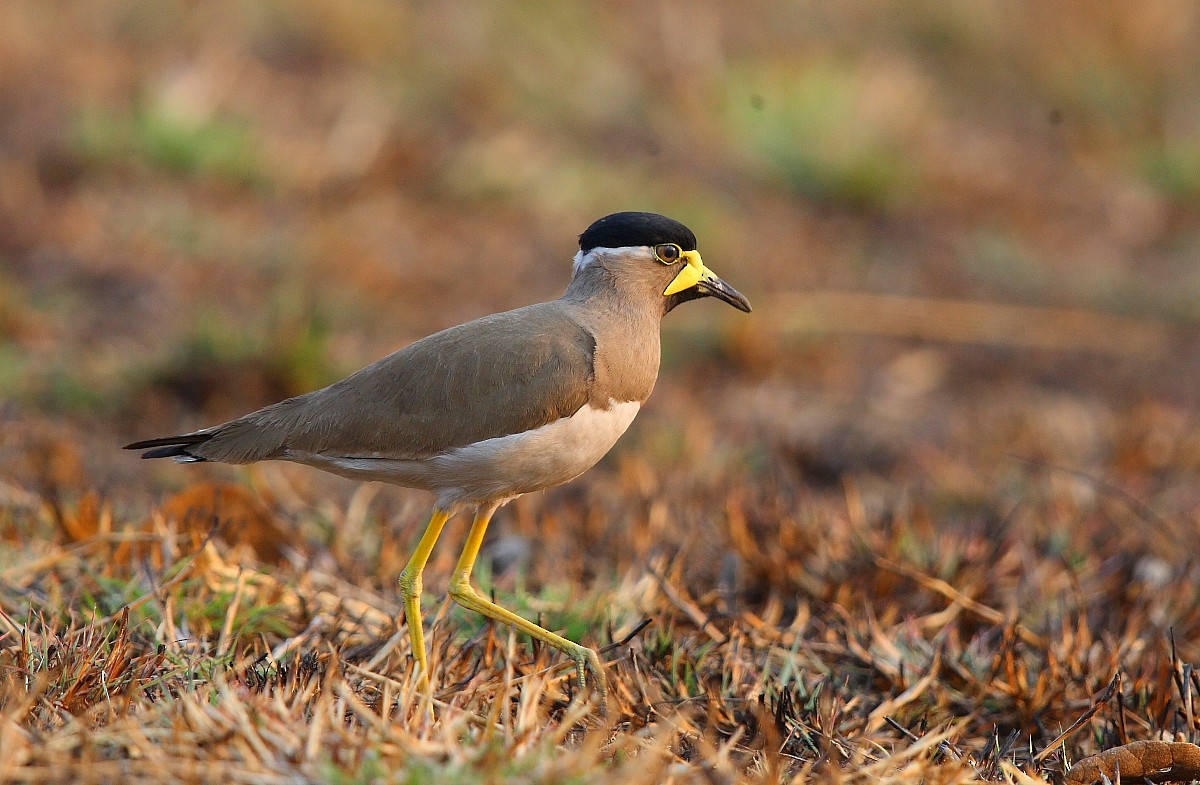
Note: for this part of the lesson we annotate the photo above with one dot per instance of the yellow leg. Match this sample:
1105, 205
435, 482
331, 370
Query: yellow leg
410, 587
586, 660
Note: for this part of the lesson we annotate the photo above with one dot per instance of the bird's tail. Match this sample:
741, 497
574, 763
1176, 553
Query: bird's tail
176, 447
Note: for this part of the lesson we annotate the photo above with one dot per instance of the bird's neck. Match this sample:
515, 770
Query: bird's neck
597, 287
624, 321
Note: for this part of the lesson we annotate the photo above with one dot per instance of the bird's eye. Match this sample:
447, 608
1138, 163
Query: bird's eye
668, 253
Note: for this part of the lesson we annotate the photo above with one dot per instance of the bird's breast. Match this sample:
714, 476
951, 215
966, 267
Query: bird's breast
625, 367
539, 458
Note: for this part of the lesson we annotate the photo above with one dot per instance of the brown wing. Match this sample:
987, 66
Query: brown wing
497, 375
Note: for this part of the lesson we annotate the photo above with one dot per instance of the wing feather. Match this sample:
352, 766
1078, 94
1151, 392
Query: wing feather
498, 375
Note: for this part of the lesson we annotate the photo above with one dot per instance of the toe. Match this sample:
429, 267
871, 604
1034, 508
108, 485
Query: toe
596, 668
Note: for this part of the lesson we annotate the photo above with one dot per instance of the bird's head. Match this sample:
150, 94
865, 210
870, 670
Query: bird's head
658, 250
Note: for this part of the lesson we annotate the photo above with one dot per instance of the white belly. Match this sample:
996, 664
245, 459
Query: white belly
504, 467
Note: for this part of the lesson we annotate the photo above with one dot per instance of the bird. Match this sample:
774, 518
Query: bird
486, 411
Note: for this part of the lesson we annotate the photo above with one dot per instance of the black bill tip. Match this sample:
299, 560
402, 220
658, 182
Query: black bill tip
716, 287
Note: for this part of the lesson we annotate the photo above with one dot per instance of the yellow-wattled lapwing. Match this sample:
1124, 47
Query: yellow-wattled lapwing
484, 412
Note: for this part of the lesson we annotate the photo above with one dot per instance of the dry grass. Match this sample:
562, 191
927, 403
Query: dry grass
851, 634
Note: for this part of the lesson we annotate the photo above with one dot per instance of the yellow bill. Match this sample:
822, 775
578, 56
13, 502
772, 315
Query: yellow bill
694, 273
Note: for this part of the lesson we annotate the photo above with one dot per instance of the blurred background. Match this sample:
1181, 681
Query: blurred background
969, 230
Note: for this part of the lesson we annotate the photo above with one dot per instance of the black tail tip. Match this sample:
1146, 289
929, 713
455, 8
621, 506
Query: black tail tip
177, 451
170, 447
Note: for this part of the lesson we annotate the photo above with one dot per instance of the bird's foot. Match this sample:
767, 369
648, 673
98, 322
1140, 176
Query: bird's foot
587, 663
